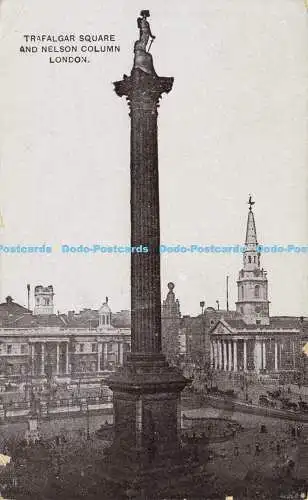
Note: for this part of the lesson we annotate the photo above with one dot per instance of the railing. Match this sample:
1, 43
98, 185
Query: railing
32, 332
43, 408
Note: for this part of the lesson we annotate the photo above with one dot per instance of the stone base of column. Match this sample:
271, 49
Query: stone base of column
147, 423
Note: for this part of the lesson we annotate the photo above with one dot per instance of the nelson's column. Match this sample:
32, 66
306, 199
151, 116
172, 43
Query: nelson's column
146, 390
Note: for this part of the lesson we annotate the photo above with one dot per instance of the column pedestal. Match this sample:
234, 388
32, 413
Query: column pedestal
146, 397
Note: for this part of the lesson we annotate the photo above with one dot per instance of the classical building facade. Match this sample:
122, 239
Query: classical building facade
250, 339
41, 345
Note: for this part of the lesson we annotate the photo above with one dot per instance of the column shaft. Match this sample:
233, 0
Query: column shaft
225, 355
215, 354
42, 359
293, 356
211, 354
276, 356
57, 359
66, 358
230, 364
105, 356
258, 355
245, 355
145, 230
121, 353
99, 356
32, 359
220, 354
235, 355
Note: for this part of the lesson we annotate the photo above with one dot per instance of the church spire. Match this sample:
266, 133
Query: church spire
251, 232
252, 301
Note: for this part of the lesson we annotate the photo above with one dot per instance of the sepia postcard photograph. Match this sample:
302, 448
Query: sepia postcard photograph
153, 250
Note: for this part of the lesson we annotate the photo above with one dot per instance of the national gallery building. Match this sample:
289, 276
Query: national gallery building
41, 345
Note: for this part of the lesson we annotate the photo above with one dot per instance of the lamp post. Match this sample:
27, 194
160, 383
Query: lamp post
202, 304
88, 421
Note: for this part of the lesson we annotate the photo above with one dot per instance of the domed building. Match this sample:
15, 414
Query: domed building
104, 315
41, 345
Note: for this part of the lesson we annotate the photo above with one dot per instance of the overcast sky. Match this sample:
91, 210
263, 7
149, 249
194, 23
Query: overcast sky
235, 123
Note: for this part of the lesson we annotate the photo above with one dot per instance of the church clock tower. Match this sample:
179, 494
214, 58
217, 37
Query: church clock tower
252, 303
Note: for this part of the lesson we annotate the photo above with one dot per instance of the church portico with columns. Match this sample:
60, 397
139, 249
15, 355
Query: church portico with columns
249, 339
262, 352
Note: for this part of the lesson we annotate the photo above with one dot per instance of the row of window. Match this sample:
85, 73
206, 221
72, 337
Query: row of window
105, 320
256, 291
8, 348
93, 347
252, 259
45, 301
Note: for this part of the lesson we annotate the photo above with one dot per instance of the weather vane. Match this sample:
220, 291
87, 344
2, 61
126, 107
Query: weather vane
250, 202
